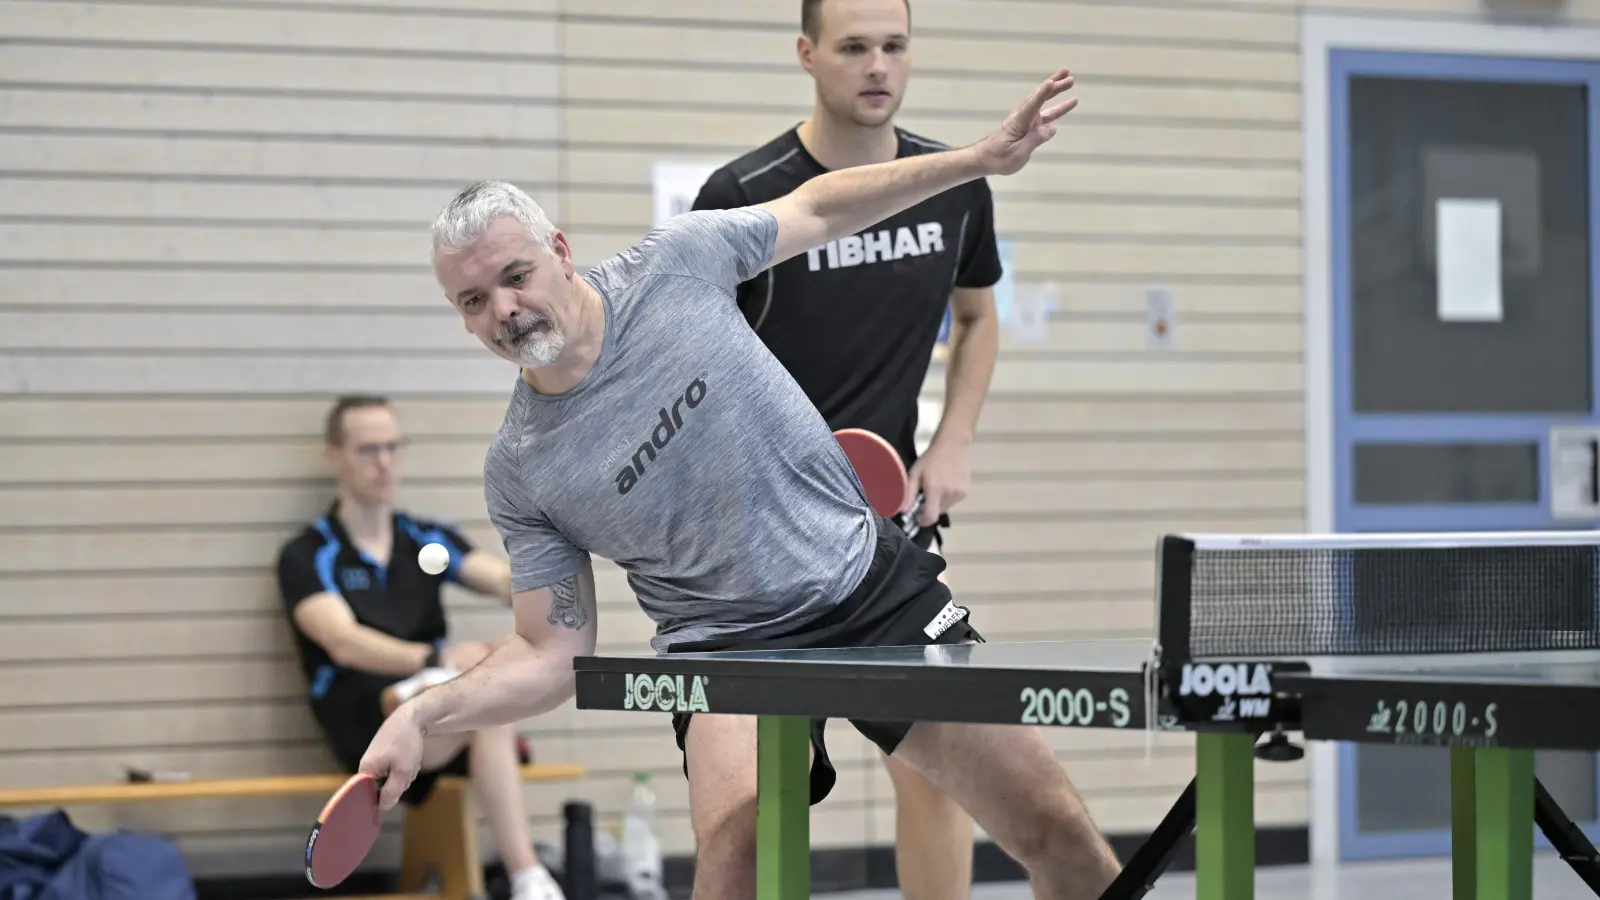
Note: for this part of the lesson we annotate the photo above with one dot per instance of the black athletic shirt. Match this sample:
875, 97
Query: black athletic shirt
399, 599
855, 321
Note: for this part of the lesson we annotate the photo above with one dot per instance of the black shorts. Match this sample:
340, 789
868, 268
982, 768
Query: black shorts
900, 594
350, 714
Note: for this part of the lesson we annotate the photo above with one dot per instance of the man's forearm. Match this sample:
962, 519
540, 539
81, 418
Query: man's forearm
517, 681
974, 346
848, 200
369, 650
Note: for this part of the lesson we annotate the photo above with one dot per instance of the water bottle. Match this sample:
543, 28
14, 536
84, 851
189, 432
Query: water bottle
641, 845
578, 871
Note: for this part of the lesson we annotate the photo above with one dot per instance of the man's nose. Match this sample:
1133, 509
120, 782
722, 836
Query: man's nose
505, 306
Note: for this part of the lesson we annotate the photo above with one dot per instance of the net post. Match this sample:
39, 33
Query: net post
1174, 594
1225, 826
783, 810
1504, 824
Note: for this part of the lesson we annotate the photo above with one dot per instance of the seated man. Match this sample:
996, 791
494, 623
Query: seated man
371, 631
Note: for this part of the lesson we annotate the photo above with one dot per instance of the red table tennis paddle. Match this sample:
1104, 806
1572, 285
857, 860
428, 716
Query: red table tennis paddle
344, 832
882, 473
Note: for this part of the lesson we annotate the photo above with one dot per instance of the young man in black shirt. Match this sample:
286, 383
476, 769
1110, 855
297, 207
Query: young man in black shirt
855, 321
370, 630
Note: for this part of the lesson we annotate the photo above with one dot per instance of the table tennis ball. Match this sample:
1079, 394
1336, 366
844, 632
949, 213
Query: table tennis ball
433, 558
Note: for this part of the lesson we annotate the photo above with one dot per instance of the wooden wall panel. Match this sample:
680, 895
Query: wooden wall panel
229, 199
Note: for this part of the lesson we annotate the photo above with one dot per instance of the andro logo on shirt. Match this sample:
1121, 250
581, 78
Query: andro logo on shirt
878, 246
666, 427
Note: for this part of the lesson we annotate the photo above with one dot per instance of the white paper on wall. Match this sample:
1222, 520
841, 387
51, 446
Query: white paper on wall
1468, 260
675, 184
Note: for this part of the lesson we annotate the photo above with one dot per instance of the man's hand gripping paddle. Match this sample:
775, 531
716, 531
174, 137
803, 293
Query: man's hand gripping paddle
882, 474
344, 832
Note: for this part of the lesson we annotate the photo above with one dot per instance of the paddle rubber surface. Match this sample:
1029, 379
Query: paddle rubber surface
878, 466
344, 832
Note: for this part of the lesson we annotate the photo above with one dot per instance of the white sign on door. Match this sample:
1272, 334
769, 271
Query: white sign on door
1573, 482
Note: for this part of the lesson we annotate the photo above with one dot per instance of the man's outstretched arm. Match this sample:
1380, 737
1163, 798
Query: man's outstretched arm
529, 673
845, 201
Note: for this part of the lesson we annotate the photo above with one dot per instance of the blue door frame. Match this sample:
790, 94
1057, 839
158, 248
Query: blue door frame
1350, 428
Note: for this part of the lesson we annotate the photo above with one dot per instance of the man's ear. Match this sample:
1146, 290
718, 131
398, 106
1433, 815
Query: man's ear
803, 50
562, 252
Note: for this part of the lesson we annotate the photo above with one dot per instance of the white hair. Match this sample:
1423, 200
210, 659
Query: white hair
469, 212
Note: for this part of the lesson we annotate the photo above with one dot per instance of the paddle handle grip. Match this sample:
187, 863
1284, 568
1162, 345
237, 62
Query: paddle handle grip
911, 518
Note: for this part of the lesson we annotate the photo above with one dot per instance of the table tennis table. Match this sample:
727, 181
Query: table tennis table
1486, 643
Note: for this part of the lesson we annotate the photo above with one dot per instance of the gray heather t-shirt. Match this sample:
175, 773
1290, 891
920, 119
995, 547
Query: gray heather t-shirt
687, 455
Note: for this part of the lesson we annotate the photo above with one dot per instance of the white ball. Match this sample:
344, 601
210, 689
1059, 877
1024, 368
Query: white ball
433, 558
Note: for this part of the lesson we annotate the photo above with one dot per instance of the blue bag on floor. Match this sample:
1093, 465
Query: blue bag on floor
46, 857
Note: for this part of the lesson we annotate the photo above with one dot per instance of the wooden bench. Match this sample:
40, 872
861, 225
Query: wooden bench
439, 842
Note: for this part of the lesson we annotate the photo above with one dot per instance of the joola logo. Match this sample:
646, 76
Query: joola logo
878, 246
1224, 680
666, 693
666, 427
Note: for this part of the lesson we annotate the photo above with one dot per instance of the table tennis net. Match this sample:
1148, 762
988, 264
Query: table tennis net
1296, 596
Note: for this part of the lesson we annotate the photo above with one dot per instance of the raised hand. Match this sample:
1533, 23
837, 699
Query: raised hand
1008, 149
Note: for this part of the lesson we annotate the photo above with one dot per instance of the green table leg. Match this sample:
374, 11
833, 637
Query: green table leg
1463, 823
783, 816
1225, 816
1505, 824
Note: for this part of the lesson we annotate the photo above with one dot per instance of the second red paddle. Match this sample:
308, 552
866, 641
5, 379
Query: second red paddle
881, 471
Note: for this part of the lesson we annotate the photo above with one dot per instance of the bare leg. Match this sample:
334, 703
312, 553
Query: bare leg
721, 754
1008, 778
498, 783
933, 838
932, 833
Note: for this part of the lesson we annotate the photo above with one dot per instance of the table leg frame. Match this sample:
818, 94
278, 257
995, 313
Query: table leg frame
783, 813
1225, 826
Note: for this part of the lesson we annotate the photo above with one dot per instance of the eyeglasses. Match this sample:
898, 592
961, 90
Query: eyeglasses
373, 451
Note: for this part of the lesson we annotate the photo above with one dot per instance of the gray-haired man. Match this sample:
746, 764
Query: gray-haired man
651, 427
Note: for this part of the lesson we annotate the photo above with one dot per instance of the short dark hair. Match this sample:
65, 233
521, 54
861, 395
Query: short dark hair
333, 428
811, 17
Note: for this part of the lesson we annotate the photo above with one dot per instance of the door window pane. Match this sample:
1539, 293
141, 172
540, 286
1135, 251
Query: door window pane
1414, 142
1446, 473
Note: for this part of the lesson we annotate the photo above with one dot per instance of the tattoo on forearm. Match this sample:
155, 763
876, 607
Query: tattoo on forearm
567, 610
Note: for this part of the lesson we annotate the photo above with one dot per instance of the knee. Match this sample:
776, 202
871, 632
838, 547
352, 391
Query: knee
725, 850
728, 831
915, 793
1053, 831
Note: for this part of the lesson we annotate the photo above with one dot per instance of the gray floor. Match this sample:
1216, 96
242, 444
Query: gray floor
1407, 880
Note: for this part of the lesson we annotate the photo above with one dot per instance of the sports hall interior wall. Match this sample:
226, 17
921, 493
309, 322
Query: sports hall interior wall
213, 219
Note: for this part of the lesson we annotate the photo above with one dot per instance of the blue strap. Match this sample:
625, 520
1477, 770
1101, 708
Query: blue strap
326, 554
323, 681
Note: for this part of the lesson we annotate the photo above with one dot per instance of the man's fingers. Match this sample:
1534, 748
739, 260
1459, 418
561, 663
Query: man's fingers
1025, 117
393, 788
1060, 109
913, 485
1048, 88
